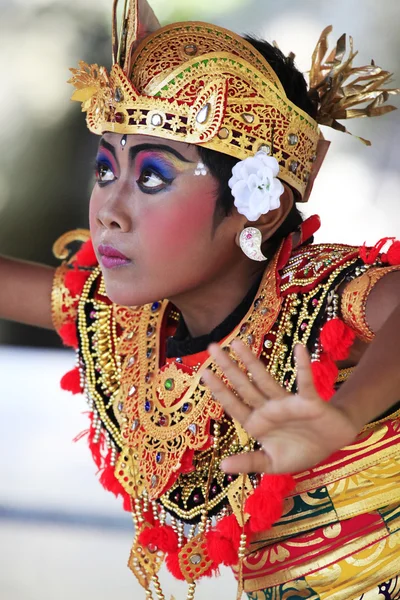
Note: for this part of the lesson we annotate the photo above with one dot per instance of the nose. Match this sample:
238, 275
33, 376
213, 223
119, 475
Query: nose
114, 213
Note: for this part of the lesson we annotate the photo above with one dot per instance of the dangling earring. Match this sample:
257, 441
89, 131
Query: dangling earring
250, 242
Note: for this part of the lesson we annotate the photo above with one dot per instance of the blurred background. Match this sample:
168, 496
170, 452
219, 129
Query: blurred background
61, 535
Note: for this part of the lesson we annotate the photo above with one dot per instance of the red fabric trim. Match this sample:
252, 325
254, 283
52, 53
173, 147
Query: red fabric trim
262, 563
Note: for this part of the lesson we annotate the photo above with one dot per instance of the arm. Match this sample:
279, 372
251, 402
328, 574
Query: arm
25, 292
375, 384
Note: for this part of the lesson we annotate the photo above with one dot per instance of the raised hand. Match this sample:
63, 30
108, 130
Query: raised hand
296, 431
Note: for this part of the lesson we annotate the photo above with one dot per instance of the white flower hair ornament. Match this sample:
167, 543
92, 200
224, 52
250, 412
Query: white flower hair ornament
256, 190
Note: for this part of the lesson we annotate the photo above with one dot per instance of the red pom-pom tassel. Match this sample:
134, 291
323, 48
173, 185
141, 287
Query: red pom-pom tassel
265, 505
127, 503
337, 339
68, 334
86, 257
229, 528
221, 549
369, 255
71, 382
325, 373
173, 566
75, 281
163, 537
392, 256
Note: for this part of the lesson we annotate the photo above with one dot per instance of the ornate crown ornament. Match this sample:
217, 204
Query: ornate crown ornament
198, 83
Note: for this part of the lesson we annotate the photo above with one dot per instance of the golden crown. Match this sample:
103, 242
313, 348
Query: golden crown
198, 83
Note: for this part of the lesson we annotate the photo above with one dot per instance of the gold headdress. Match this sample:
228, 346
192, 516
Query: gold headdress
201, 84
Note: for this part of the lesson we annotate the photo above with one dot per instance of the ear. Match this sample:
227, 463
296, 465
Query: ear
271, 222
322, 149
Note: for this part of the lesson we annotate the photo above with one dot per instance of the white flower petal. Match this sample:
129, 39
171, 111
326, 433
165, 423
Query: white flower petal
255, 187
240, 191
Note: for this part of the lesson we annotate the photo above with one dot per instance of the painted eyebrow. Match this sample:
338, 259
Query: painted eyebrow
110, 147
135, 150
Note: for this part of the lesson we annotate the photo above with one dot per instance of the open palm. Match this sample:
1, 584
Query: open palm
295, 431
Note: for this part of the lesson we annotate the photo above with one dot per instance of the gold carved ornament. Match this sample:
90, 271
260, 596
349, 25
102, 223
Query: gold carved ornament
355, 297
63, 304
208, 86
198, 83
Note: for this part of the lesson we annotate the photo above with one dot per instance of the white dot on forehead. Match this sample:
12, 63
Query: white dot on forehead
123, 141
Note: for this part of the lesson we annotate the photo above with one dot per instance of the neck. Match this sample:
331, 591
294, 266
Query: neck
207, 306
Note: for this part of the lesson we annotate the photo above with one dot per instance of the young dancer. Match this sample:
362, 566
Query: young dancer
242, 381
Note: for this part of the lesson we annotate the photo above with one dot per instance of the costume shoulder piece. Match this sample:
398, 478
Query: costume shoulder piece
83, 317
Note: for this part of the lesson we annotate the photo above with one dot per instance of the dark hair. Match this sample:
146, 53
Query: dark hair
221, 165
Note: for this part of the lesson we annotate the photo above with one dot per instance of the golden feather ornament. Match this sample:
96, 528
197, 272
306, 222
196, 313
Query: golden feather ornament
344, 91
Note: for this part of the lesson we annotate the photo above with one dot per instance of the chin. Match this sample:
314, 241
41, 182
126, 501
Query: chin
125, 294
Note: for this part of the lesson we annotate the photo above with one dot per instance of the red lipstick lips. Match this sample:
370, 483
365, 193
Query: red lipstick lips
111, 257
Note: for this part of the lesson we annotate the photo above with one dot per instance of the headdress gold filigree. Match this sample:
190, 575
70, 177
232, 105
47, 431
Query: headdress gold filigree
201, 84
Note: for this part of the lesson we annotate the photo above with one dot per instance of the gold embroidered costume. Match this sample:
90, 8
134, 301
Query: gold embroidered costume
156, 418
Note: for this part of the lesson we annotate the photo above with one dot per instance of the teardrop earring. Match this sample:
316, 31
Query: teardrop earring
250, 242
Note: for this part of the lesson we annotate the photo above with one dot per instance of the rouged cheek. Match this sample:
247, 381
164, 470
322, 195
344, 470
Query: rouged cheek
180, 227
93, 210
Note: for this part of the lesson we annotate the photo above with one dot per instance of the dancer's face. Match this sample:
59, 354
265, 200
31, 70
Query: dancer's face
150, 205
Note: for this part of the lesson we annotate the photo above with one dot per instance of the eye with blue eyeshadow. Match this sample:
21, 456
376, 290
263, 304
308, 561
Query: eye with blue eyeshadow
104, 169
155, 174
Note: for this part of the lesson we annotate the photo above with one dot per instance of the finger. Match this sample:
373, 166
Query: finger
261, 378
305, 379
239, 380
231, 403
250, 462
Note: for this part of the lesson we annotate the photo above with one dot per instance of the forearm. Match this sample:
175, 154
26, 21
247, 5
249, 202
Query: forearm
25, 292
375, 384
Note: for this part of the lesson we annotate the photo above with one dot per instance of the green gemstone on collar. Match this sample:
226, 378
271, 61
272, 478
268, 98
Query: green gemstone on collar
169, 384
